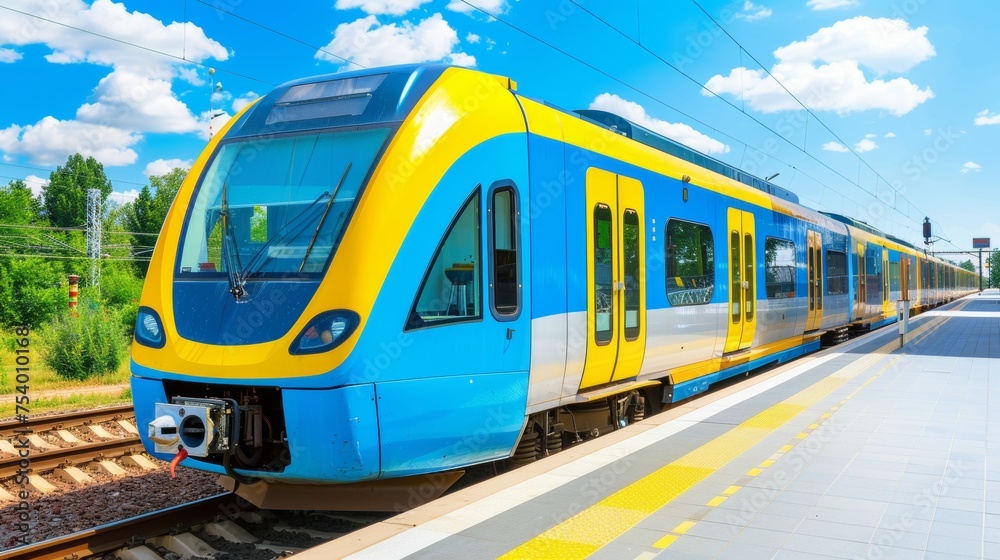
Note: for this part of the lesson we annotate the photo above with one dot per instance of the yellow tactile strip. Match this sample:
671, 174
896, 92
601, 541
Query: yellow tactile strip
588, 531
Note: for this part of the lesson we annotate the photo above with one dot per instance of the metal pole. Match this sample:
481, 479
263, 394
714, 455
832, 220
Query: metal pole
980, 269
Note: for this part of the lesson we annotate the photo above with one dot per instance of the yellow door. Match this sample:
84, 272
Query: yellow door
860, 307
616, 278
742, 281
814, 260
904, 277
887, 307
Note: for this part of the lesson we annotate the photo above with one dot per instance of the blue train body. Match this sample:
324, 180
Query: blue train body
411, 270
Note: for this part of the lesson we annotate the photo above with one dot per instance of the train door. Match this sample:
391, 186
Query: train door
861, 293
887, 307
814, 260
904, 277
742, 281
616, 278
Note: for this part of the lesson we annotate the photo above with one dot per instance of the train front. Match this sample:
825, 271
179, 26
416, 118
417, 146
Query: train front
270, 265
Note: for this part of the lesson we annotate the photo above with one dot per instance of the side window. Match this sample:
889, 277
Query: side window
779, 268
690, 263
451, 290
603, 274
505, 270
836, 271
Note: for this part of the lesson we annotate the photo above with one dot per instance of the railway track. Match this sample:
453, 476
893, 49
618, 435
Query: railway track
68, 420
72, 456
219, 526
113, 536
70, 440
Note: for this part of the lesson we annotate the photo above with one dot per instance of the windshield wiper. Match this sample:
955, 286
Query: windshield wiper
230, 250
261, 257
322, 219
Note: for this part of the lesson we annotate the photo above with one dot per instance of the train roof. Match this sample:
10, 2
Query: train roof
654, 140
856, 224
378, 95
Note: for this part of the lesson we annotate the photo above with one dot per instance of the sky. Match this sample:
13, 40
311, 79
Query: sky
887, 111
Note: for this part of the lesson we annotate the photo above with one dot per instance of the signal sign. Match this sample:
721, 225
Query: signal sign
980, 242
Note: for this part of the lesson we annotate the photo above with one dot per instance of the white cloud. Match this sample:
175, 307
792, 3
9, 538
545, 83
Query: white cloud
490, 43
137, 102
884, 45
971, 166
835, 147
9, 55
865, 145
984, 118
462, 59
107, 18
890, 134
164, 166
243, 100
825, 70
124, 197
491, 6
190, 75
50, 141
378, 7
472, 38
928, 132
135, 97
370, 43
210, 127
676, 131
870, 135
753, 12
35, 183
831, 4
220, 96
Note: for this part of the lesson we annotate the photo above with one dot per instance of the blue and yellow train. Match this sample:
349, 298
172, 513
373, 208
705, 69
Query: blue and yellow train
397, 272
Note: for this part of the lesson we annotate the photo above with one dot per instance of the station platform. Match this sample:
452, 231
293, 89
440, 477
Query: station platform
864, 450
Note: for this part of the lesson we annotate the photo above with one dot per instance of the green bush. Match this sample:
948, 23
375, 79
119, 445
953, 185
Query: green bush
83, 344
31, 292
126, 318
120, 287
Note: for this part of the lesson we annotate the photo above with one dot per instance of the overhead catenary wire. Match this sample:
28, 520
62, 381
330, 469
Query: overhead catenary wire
742, 109
135, 45
657, 100
217, 8
811, 113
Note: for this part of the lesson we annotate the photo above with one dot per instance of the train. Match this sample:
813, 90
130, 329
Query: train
373, 280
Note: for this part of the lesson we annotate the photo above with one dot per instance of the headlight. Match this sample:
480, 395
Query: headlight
325, 332
149, 329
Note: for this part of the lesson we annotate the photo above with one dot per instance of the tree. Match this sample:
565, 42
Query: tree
145, 215
968, 265
994, 268
18, 205
65, 197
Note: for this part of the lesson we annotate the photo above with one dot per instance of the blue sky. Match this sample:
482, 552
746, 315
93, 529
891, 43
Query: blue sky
904, 112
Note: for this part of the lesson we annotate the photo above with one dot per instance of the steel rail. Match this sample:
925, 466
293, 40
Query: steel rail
10, 428
48, 460
111, 536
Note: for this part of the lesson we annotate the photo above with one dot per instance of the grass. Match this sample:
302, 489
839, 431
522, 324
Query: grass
45, 380
67, 403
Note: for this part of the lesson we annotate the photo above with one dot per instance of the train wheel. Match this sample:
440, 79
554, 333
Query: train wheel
526, 451
553, 443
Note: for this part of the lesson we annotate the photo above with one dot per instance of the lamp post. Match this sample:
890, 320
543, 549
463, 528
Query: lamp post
216, 88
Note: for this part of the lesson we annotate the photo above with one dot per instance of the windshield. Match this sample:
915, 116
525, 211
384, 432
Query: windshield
279, 204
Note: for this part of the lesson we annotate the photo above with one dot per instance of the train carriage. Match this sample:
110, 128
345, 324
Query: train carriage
385, 274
